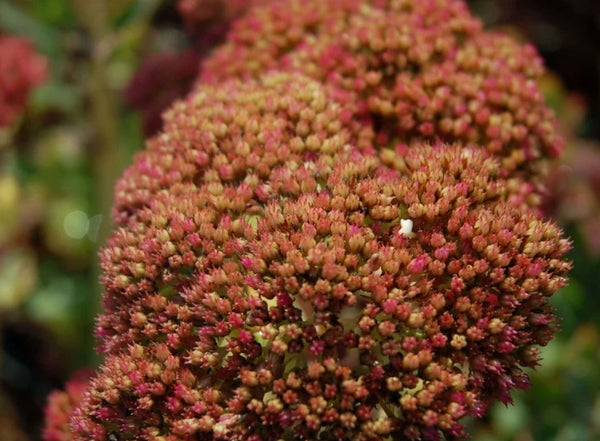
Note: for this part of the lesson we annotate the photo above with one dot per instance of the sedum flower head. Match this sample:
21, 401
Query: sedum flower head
334, 237
415, 70
264, 283
241, 130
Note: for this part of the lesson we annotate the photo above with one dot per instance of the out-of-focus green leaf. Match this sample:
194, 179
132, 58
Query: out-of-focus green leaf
568, 302
53, 12
127, 11
13, 20
552, 355
56, 96
512, 419
51, 304
573, 431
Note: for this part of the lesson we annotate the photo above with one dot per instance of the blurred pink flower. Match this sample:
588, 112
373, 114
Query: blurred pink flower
21, 69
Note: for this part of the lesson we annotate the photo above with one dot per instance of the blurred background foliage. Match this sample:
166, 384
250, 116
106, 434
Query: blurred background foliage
114, 64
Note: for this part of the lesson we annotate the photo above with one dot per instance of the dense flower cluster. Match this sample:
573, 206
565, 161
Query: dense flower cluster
215, 132
415, 69
61, 405
290, 286
202, 17
300, 256
232, 141
20, 70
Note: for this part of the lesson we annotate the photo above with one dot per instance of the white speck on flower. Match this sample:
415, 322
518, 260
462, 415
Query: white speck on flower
406, 226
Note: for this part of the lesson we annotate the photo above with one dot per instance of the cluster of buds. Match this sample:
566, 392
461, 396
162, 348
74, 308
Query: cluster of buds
202, 17
271, 280
227, 133
21, 69
294, 262
416, 70
61, 405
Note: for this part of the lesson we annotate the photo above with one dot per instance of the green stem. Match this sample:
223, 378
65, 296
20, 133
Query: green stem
105, 157
108, 155
106, 162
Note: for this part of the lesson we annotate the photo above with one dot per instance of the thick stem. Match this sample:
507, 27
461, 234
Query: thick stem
106, 162
109, 157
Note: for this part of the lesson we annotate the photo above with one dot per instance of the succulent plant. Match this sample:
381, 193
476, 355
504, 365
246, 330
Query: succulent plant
334, 236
